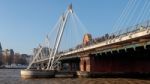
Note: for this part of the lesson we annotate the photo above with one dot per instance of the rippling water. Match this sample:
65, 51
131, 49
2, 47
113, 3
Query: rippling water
12, 76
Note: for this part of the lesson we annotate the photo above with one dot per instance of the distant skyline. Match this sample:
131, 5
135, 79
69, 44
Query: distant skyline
25, 23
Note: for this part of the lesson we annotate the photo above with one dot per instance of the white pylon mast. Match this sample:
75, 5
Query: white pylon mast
58, 39
52, 51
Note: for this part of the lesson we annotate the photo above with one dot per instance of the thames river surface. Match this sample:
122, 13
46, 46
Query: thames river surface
12, 76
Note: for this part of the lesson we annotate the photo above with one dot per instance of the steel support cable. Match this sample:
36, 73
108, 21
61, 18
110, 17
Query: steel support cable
80, 30
148, 11
132, 15
123, 15
118, 27
54, 35
140, 14
145, 15
145, 11
63, 39
129, 25
66, 36
128, 16
83, 28
147, 18
116, 24
125, 18
75, 31
75, 28
73, 34
82, 25
148, 15
70, 35
55, 26
58, 32
74, 24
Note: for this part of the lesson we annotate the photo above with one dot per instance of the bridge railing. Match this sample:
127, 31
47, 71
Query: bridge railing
123, 32
135, 28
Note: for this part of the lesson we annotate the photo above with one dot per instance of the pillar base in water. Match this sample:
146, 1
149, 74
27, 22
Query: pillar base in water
37, 73
83, 74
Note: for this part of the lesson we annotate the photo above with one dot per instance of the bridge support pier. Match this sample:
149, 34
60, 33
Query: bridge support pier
85, 66
85, 63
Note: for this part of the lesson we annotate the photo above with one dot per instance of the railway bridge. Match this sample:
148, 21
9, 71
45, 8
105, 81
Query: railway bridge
124, 53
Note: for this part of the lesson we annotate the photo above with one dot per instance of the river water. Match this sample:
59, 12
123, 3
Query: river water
12, 76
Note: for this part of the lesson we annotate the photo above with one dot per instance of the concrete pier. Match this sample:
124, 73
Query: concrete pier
25, 74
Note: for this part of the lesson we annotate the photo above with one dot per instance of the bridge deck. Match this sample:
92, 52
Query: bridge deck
126, 40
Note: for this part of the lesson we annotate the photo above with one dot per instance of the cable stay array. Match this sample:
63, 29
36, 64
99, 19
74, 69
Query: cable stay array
135, 14
64, 36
